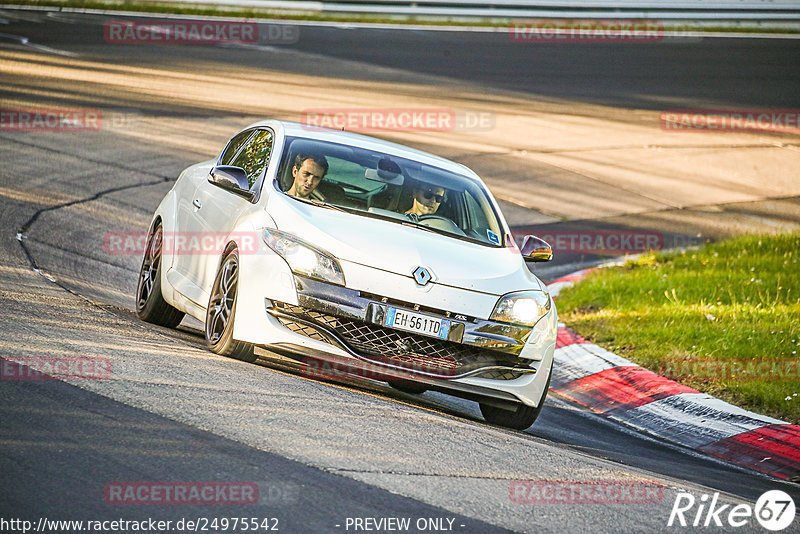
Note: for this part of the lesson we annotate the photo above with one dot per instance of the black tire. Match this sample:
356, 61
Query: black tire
407, 386
521, 418
150, 303
221, 312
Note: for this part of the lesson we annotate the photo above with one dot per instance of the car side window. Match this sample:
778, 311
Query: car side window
233, 146
255, 155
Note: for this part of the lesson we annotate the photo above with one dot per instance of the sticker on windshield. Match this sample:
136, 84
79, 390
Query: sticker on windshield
493, 237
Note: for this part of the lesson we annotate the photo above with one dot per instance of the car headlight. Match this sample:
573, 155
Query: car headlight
522, 307
304, 258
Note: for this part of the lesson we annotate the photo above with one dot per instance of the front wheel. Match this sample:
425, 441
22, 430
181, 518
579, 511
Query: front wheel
519, 419
221, 312
150, 304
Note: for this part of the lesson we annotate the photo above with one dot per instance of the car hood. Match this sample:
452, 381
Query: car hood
399, 249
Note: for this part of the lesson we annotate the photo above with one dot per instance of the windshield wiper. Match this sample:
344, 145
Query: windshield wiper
421, 227
321, 204
439, 231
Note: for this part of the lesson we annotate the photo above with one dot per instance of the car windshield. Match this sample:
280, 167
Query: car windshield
373, 184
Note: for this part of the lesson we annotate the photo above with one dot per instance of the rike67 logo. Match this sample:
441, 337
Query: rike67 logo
774, 510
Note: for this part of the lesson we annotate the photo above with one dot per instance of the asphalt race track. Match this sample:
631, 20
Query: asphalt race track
322, 452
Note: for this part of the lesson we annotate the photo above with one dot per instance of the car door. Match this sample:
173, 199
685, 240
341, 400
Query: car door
216, 211
186, 208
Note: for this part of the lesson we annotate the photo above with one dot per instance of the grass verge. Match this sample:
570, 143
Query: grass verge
724, 319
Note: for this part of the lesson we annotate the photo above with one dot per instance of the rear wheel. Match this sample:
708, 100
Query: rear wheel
519, 419
150, 303
221, 312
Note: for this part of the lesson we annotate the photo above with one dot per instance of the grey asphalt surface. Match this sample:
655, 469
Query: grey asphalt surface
62, 445
680, 73
173, 411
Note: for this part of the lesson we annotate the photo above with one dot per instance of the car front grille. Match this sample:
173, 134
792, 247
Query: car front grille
406, 350
499, 374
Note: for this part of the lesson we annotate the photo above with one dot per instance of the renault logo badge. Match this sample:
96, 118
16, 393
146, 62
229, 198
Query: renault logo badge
422, 275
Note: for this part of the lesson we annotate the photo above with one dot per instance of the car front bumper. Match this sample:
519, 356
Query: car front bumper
479, 360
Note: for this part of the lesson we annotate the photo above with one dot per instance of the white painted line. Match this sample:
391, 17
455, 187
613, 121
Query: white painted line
24, 41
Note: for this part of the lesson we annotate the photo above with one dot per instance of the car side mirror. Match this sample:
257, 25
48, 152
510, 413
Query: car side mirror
233, 179
536, 249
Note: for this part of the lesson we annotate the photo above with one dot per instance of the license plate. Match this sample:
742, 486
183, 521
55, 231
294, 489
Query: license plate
417, 322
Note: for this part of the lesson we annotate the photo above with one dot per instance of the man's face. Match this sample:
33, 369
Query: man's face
306, 178
427, 200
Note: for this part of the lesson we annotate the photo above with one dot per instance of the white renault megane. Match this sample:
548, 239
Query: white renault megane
338, 247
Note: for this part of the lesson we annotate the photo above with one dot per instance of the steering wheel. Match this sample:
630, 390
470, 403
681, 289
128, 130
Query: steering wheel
434, 217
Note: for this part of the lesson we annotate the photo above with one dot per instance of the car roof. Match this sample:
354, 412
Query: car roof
296, 129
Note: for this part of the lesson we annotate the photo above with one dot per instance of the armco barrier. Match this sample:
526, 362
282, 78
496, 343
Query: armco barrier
780, 11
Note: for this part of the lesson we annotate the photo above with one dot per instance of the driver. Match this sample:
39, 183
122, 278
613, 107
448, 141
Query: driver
308, 171
427, 199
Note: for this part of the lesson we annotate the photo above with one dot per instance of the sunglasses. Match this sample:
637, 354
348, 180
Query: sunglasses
430, 194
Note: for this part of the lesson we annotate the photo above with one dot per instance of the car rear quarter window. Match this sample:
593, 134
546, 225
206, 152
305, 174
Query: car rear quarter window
255, 155
233, 147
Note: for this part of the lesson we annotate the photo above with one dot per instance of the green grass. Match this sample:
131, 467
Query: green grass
724, 319
155, 6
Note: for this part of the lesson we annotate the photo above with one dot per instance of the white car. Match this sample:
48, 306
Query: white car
349, 252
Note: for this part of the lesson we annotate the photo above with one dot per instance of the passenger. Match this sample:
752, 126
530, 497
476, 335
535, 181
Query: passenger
308, 171
427, 199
